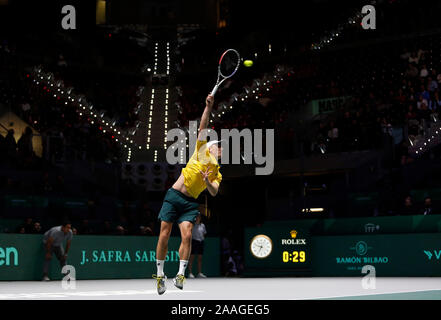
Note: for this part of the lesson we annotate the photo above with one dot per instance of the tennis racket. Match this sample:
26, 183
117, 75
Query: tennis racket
228, 64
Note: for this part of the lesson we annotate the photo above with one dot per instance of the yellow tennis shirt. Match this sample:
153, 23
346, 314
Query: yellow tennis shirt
200, 161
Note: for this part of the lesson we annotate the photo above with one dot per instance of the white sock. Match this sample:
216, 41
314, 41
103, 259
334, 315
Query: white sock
160, 267
182, 266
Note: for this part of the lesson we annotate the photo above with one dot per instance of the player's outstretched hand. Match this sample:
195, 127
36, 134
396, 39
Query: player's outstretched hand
205, 174
209, 101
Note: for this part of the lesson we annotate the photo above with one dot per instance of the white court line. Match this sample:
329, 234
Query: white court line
371, 294
40, 295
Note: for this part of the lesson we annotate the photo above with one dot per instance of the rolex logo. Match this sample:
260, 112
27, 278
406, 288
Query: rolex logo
294, 240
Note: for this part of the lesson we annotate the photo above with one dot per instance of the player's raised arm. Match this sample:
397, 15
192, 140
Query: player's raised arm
205, 118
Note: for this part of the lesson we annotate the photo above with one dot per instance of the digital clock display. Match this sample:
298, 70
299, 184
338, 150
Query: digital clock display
294, 256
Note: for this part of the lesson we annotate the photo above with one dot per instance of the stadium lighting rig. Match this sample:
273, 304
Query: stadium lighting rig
259, 88
57, 90
428, 143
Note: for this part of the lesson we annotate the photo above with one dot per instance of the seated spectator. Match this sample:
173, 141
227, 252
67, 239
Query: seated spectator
405, 55
107, 228
408, 208
435, 102
120, 231
36, 228
422, 101
424, 72
413, 58
432, 85
427, 208
27, 225
85, 228
424, 112
411, 114
61, 61
424, 93
421, 56
145, 231
412, 71
333, 131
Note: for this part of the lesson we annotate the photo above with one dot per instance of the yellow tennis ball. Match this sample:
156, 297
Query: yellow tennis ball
248, 63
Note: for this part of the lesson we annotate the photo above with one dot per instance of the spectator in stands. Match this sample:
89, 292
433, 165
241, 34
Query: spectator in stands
403, 153
411, 114
36, 229
145, 216
120, 230
238, 261
11, 146
408, 207
61, 61
405, 55
85, 227
25, 147
421, 55
421, 101
27, 225
427, 208
333, 135
25, 107
2, 147
424, 93
53, 243
424, 73
435, 102
424, 112
197, 246
46, 185
432, 85
107, 228
413, 58
226, 247
145, 231
412, 71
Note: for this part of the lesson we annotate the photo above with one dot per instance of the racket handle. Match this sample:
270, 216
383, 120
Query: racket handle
214, 90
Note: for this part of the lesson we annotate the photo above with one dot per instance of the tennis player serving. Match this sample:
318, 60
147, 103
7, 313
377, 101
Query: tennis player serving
180, 203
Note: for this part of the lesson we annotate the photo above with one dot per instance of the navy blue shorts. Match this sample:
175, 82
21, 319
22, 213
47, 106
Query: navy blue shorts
178, 207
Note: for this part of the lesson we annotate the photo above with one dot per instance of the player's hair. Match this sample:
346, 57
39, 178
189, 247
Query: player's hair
65, 223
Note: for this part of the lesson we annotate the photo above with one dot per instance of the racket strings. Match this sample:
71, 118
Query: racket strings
229, 64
